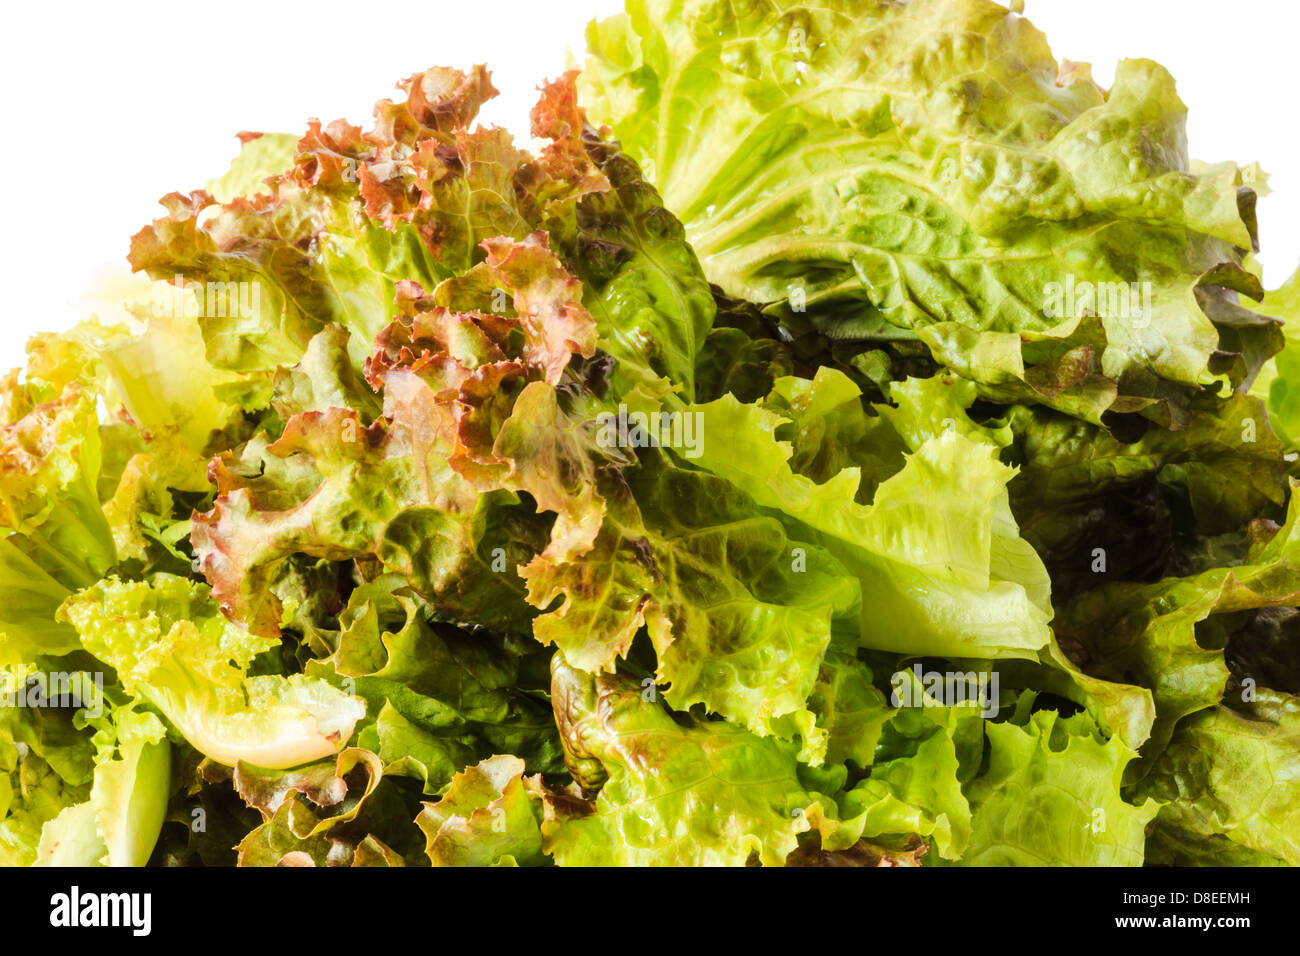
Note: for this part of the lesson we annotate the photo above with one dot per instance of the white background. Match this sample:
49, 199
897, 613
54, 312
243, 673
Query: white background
110, 105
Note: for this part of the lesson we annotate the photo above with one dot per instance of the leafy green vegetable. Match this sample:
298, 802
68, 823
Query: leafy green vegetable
915, 786
1052, 796
1227, 782
1149, 632
873, 457
490, 815
169, 644
928, 171
942, 568
699, 794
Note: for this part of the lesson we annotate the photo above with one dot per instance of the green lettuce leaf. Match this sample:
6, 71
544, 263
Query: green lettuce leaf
1081, 488
926, 753
169, 644
439, 698
119, 824
48, 765
737, 612
1227, 783
644, 286
343, 812
849, 709
1051, 796
54, 534
261, 156
941, 565
824, 159
672, 791
50, 454
1155, 635
491, 815
1279, 380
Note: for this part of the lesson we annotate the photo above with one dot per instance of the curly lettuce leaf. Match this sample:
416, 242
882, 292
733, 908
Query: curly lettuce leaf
491, 815
925, 755
1154, 635
46, 766
261, 156
893, 193
50, 456
288, 250
405, 489
941, 565
120, 822
262, 273
1051, 796
54, 534
439, 698
644, 286
739, 614
169, 645
849, 709
163, 383
1227, 782
672, 792
342, 812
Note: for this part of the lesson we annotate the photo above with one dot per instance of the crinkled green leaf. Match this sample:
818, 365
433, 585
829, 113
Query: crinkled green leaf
942, 567
849, 709
676, 792
645, 288
47, 767
1228, 784
1081, 488
440, 698
491, 815
1279, 381
1147, 634
738, 613
169, 644
924, 755
341, 813
1051, 797
261, 156
926, 171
